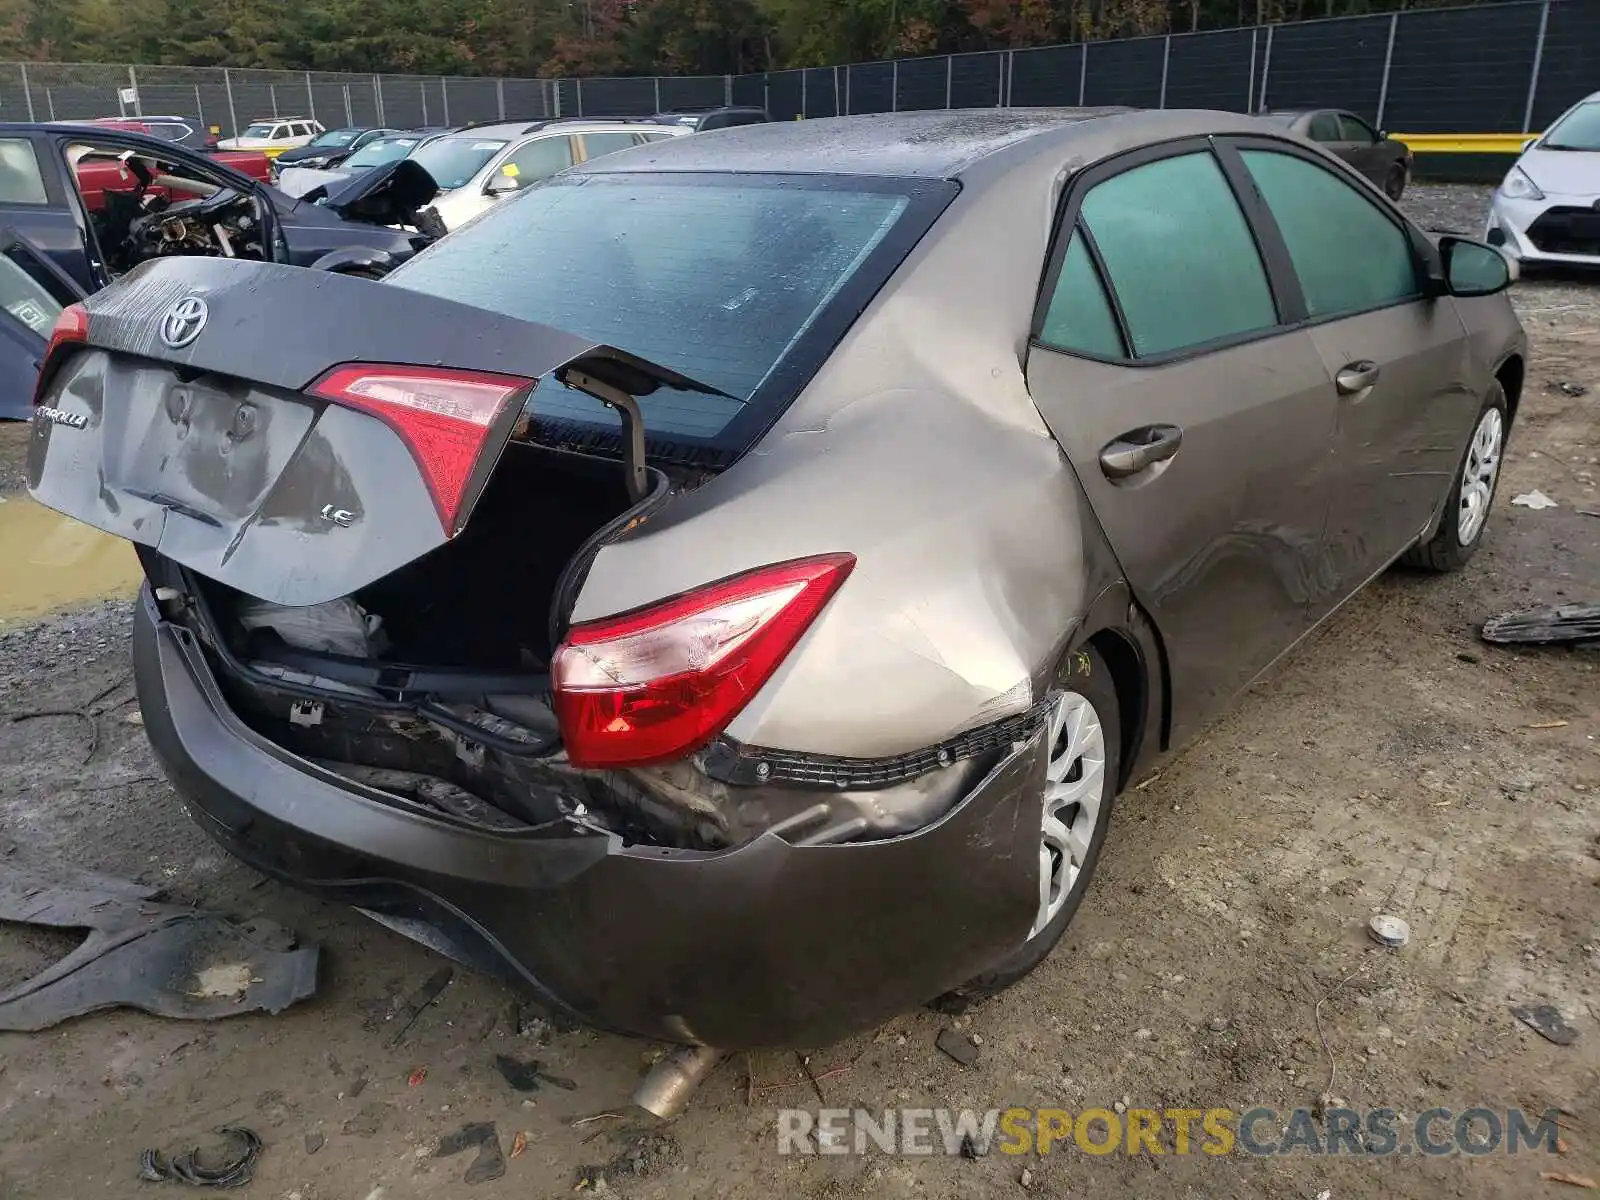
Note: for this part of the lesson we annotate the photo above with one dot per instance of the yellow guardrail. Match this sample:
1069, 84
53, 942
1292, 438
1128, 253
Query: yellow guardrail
1465, 143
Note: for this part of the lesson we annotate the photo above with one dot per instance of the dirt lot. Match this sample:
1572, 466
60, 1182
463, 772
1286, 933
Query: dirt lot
1395, 763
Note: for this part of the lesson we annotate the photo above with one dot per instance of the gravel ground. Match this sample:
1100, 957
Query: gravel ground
1394, 762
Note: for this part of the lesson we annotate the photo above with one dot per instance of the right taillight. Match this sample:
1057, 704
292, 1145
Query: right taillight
71, 328
657, 684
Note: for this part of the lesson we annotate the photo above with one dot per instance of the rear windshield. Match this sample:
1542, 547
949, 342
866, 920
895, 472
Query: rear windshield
383, 150
452, 161
741, 282
1578, 130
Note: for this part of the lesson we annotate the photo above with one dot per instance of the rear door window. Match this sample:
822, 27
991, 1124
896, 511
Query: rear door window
537, 160
1080, 316
1349, 256
597, 144
1180, 256
1324, 128
20, 180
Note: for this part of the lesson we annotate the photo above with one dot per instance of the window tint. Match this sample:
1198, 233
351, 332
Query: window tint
656, 137
1080, 316
1181, 258
537, 160
1324, 128
1348, 255
717, 278
20, 181
1355, 129
280, 132
596, 144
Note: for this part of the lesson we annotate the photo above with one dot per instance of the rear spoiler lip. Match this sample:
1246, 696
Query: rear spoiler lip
125, 319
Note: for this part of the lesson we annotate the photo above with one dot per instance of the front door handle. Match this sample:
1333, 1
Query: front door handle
1138, 449
1356, 377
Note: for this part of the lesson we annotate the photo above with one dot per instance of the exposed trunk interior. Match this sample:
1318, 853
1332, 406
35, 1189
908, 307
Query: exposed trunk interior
477, 610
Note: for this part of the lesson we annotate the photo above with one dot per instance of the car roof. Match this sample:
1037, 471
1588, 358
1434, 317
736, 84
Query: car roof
937, 143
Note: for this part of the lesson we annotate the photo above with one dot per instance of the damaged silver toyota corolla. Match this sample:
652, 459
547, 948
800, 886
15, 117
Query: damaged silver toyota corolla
725, 586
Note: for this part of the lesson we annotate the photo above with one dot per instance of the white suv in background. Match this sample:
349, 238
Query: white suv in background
273, 135
478, 166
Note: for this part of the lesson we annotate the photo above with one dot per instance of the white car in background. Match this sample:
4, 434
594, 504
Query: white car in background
476, 167
273, 135
1547, 209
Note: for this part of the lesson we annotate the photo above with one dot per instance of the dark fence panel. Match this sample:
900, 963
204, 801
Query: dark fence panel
693, 91
976, 79
1462, 72
824, 92
1211, 70
470, 100
1051, 75
1125, 72
528, 99
783, 95
1569, 69
616, 98
919, 83
1324, 64
750, 90
871, 87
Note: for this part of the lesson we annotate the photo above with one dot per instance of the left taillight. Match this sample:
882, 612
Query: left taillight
444, 417
71, 328
657, 684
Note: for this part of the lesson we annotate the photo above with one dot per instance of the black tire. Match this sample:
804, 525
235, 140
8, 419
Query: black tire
1394, 183
1086, 673
1445, 551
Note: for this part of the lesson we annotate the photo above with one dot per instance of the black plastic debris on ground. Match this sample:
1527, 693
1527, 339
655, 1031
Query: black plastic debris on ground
234, 1169
644, 1154
160, 958
1547, 1021
426, 994
490, 1162
1544, 626
528, 1076
958, 1046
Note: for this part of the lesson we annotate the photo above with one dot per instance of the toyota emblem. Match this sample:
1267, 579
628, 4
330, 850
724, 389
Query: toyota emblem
182, 323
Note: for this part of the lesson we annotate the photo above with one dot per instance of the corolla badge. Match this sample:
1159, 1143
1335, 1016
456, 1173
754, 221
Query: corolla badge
58, 416
182, 322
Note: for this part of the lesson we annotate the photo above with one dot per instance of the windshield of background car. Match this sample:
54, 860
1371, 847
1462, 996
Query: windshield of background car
740, 282
257, 131
453, 161
335, 137
384, 150
1578, 130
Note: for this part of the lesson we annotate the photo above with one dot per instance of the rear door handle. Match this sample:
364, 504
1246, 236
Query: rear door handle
1356, 377
1139, 449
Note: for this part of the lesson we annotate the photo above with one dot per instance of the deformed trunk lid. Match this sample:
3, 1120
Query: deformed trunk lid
211, 454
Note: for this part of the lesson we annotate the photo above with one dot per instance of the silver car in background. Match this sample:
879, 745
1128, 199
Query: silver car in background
1547, 209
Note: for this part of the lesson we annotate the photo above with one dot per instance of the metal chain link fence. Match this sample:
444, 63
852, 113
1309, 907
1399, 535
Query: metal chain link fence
1493, 68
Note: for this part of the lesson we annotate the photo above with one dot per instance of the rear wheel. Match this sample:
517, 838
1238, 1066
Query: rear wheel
1471, 493
1394, 183
1074, 812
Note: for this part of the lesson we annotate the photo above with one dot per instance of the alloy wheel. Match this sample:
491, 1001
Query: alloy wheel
1479, 474
1075, 788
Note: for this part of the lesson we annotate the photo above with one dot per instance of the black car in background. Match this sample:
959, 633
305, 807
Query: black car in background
329, 148
1371, 151
702, 119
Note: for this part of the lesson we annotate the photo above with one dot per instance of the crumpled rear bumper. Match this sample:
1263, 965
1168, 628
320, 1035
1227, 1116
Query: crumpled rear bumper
769, 944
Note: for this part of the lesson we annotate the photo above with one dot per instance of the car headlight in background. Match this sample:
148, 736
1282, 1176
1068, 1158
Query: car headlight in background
1518, 186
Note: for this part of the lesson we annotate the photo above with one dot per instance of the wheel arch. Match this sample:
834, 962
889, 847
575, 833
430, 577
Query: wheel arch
1511, 373
1117, 629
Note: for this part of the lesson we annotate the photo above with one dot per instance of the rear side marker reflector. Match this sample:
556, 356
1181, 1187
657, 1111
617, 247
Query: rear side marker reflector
444, 417
657, 684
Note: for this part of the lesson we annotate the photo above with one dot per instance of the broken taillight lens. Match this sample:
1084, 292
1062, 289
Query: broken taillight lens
71, 327
656, 684
443, 416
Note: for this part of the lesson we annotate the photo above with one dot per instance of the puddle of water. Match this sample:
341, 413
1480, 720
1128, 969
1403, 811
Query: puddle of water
48, 561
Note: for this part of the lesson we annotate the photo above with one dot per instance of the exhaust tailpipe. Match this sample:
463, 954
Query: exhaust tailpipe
666, 1090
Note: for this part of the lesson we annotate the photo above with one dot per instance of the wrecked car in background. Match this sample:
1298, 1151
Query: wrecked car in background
725, 587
